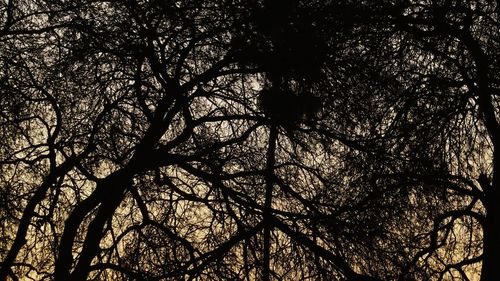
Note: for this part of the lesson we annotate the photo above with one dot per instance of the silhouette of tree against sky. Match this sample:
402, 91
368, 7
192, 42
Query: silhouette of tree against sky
241, 140
446, 55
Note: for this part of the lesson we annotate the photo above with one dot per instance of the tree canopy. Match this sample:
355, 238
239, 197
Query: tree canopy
250, 140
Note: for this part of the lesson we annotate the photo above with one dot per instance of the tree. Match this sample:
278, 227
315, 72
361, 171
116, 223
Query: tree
238, 140
462, 68
444, 56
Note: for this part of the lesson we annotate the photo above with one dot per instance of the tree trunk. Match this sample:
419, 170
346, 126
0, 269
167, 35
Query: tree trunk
490, 270
271, 154
491, 245
109, 193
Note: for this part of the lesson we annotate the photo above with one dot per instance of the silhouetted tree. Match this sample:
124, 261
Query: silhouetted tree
241, 140
440, 60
